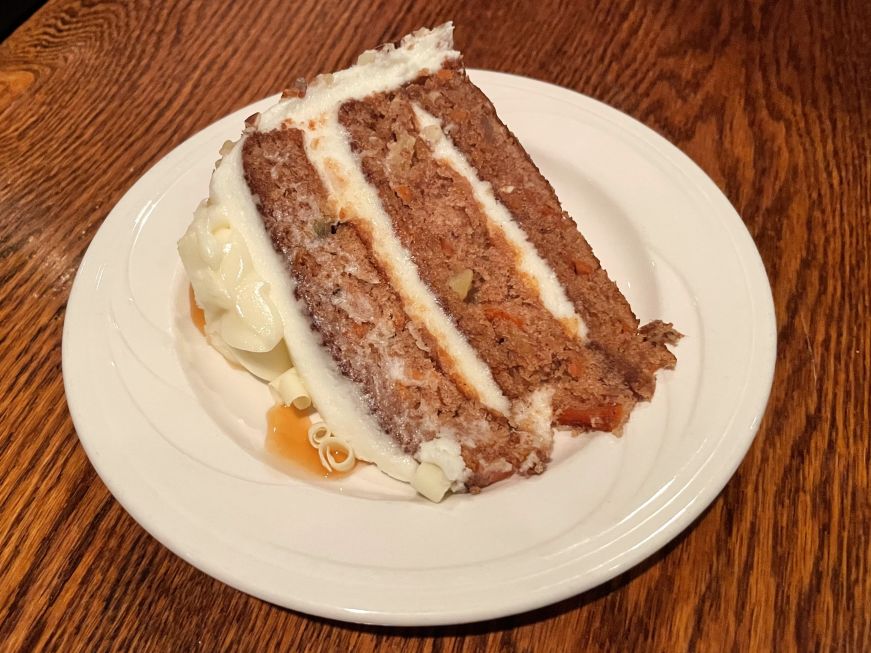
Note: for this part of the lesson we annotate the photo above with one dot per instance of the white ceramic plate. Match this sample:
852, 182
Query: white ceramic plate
177, 435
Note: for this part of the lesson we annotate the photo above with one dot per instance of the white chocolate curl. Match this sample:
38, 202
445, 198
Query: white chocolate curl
317, 433
288, 389
320, 437
430, 481
328, 460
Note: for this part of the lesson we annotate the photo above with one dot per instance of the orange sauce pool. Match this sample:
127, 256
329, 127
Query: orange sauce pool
286, 426
287, 438
198, 317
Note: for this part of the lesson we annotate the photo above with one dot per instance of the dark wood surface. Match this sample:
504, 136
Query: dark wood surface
772, 99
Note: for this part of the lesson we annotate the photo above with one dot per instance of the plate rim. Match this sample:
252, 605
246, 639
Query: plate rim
701, 499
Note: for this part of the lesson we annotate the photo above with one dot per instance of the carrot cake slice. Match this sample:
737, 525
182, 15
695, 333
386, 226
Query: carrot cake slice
381, 243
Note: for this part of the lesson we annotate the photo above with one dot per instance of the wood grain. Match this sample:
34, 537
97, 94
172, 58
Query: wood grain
772, 99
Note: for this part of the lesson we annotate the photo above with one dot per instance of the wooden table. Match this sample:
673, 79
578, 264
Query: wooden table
772, 99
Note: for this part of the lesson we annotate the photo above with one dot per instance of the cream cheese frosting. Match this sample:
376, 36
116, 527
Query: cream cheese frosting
376, 71
225, 225
240, 319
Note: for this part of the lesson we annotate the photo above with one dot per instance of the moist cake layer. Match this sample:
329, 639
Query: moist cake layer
471, 122
438, 219
361, 318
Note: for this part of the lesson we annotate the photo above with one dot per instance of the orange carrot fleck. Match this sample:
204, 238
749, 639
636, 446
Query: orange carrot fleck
575, 368
404, 193
494, 313
581, 267
598, 418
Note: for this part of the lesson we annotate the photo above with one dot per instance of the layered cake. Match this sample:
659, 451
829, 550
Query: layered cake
380, 244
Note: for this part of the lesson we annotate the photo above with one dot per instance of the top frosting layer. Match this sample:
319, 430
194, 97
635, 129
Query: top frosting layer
376, 71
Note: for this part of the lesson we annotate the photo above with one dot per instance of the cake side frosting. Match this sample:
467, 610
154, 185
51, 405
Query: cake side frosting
230, 207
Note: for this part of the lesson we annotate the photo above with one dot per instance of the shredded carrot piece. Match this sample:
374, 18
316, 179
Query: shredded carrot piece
404, 193
600, 418
575, 367
493, 313
581, 267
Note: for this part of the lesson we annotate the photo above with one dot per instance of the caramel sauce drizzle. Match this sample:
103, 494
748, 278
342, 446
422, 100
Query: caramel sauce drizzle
286, 426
